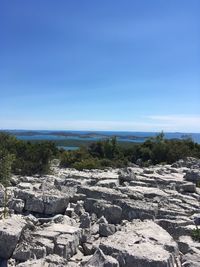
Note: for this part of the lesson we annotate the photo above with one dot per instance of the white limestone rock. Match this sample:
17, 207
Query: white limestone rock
44, 202
99, 259
141, 244
10, 232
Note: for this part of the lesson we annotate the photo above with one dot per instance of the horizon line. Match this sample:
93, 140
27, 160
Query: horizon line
88, 130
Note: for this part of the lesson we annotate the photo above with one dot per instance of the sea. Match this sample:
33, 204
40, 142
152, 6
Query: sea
121, 136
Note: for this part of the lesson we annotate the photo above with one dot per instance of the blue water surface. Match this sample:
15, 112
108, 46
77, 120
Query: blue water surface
97, 135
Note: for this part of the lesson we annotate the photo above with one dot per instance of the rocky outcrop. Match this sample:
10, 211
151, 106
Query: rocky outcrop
108, 218
142, 244
10, 232
44, 202
192, 176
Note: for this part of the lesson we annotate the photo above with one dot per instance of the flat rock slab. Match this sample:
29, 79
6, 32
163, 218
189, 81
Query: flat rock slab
148, 192
137, 209
10, 232
57, 229
49, 261
141, 244
89, 174
98, 192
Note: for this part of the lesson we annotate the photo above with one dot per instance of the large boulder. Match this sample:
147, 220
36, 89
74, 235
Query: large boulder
141, 244
66, 238
10, 232
47, 202
57, 238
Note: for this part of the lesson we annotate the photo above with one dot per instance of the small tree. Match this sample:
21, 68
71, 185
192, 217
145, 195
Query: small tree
6, 160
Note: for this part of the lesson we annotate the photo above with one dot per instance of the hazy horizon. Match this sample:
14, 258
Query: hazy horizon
108, 65
88, 130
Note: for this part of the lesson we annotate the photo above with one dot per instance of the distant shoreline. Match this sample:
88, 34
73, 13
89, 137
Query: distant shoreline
84, 138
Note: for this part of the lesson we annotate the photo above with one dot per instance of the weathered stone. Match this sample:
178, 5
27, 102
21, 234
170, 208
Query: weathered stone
99, 259
17, 205
10, 232
25, 186
158, 192
192, 176
66, 238
49, 261
126, 175
85, 221
148, 171
88, 248
47, 243
98, 192
197, 219
111, 212
57, 218
77, 197
31, 219
175, 228
147, 192
44, 202
141, 244
106, 229
187, 245
66, 245
29, 251
189, 162
109, 183
132, 209
102, 220
187, 187
191, 260
79, 209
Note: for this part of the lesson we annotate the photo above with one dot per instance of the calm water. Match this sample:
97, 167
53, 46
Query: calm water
97, 135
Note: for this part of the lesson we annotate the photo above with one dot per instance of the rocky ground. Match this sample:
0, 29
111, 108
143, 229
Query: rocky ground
133, 217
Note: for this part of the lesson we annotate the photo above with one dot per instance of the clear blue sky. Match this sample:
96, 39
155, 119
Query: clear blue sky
100, 65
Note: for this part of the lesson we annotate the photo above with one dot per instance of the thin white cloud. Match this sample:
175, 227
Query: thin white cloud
184, 123
154, 123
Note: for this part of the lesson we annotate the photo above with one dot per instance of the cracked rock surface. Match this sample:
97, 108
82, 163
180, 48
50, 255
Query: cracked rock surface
129, 217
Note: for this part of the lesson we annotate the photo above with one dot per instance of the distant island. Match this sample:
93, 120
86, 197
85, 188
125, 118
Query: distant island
75, 139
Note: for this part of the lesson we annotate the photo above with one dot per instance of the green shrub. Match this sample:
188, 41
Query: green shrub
108, 153
68, 158
23, 157
196, 234
6, 161
87, 164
